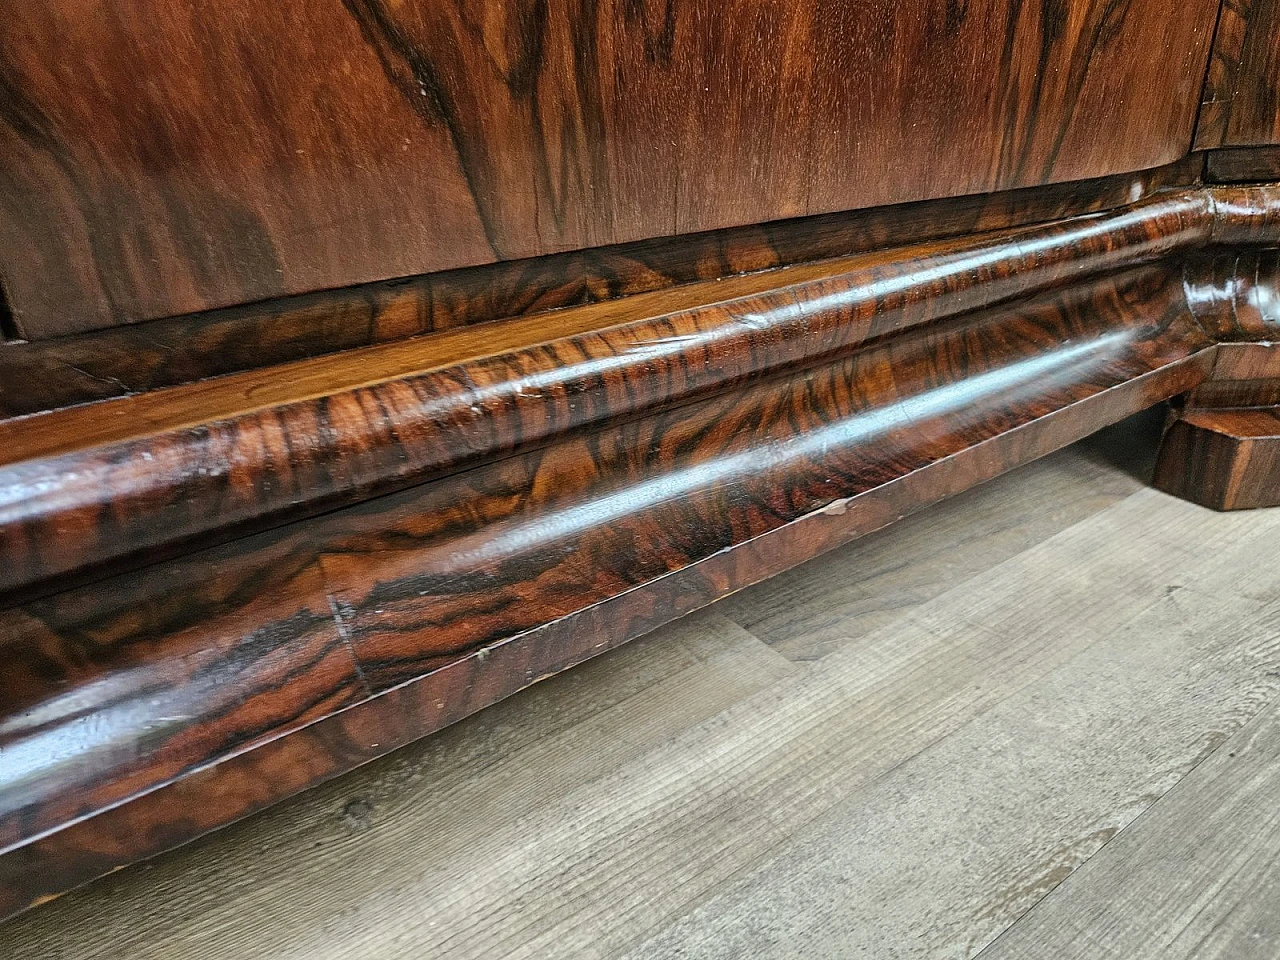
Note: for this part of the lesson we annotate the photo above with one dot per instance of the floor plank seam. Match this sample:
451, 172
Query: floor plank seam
1268, 705
957, 589
802, 825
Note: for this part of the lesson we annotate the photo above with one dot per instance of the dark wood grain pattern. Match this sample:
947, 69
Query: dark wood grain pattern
1048, 74
141, 476
1250, 164
451, 595
1223, 78
426, 526
1242, 94
1227, 459
147, 473
156, 161
45, 375
1234, 291
1221, 448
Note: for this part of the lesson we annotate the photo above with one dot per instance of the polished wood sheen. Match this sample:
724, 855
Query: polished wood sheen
1256, 164
818, 725
1235, 293
140, 476
419, 528
146, 473
1244, 375
163, 159
43, 375
516, 496
367, 362
1222, 447
260, 667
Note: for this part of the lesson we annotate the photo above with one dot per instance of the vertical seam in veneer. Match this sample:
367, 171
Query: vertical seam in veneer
344, 634
1188, 300
1204, 85
1214, 215
1239, 469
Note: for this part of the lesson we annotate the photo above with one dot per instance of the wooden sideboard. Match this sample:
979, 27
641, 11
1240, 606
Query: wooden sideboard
366, 362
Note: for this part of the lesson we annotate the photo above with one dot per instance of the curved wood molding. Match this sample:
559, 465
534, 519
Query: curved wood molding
350, 633
141, 476
546, 487
1221, 447
1244, 375
47, 374
1224, 459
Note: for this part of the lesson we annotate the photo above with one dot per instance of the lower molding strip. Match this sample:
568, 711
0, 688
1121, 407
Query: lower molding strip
155, 705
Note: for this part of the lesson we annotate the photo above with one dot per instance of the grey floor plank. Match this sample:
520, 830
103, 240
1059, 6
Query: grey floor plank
817, 607
677, 825
940, 855
1196, 878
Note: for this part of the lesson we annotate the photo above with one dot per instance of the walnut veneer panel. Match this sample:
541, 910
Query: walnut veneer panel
256, 669
146, 472
37, 376
157, 159
1222, 448
1242, 96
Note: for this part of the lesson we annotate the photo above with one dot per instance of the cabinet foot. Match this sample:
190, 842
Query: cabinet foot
1224, 459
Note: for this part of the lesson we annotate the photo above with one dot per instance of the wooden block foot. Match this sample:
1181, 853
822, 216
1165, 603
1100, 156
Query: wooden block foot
1224, 459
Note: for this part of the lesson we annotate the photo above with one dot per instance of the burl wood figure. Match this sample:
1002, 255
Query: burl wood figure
364, 363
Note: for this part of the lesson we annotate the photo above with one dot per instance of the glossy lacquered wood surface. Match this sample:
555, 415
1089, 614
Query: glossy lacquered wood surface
1222, 447
139, 476
533, 491
159, 160
36, 376
255, 669
146, 473
1234, 293
1244, 375
1242, 93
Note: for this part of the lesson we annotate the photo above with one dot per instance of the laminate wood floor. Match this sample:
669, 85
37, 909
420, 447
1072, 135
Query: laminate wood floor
1040, 720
